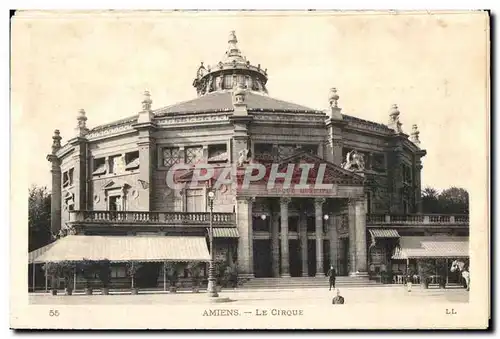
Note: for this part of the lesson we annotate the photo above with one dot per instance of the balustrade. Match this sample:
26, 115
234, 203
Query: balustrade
412, 219
152, 217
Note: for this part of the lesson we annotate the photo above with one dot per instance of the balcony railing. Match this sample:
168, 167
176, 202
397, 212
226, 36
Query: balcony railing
139, 217
414, 219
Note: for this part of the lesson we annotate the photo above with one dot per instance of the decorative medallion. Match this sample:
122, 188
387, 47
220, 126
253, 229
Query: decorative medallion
223, 189
96, 198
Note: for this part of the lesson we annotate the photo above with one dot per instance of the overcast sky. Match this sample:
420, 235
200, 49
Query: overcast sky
433, 66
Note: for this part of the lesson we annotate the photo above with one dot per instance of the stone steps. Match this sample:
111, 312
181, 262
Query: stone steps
307, 282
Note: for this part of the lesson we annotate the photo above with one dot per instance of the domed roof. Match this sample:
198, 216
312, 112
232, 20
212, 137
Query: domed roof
233, 69
221, 101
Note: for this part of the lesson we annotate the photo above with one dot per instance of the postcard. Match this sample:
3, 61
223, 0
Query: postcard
250, 170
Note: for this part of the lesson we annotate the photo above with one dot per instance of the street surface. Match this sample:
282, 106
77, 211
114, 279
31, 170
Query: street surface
315, 296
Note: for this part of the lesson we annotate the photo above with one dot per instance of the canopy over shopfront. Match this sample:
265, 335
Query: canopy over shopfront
127, 248
432, 247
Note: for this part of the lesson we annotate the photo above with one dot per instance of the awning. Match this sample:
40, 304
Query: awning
127, 248
38, 252
432, 247
384, 233
225, 232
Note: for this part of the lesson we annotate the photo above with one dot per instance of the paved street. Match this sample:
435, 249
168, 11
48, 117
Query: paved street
393, 294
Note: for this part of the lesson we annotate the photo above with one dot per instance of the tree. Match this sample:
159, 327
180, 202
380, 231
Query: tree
454, 200
38, 218
430, 203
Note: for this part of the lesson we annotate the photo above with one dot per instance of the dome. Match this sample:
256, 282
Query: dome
232, 70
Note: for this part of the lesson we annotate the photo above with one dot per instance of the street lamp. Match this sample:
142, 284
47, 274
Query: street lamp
326, 217
263, 217
212, 292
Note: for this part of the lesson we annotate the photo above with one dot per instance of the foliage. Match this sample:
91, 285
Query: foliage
453, 200
103, 268
62, 269
87, 268
132, 268
172, 271
426, 267
195, 272
39, 233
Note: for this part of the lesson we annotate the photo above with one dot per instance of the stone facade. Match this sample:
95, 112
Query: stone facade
123, 166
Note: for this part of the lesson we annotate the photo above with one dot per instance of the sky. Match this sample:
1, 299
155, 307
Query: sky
433, 66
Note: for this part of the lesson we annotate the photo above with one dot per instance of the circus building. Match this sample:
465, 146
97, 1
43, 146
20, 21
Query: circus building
111, 199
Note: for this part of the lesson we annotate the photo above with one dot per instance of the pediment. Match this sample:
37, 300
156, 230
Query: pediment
318, 167
328, 172
111, 184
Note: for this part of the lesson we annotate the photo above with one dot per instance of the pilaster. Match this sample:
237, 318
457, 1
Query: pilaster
275, 244
361, 255
318, 206
80, 171
245, 241
285, 257
352, 236
334, 245
303, 244
147, 149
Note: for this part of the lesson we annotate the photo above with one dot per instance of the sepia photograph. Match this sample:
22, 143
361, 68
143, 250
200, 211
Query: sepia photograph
250, 169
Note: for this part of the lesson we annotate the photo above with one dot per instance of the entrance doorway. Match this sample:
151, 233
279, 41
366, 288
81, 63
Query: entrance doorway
344, 263
295, 259
262, 258
311, 257
147, 275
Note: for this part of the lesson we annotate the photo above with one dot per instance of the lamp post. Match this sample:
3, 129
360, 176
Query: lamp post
212, 292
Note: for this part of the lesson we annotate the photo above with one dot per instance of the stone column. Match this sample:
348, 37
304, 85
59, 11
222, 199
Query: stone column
285, 258
333, 234
56, 194
146, 143
303, 244
245, 241
318, 206
418, 187
275, 244
352, 236
80, 172
361, 258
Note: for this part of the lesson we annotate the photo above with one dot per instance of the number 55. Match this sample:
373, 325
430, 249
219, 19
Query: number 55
54, 313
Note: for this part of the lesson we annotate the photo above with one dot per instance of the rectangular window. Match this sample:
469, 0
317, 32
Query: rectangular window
68, 178
228, 81
195, 201
263, 152
132, 161
99, 166
114, 203
116, 164
118, 272
194, 154
217, 153
171, 156
311, 224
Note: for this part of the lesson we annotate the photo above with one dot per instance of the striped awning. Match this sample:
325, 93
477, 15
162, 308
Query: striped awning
384, 233
225, 232
432, 247
127, 248
38, 252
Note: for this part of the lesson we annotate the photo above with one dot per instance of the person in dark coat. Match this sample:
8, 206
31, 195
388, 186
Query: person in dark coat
338, 299
332, 275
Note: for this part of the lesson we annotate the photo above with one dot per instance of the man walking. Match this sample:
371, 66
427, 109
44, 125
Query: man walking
331, 275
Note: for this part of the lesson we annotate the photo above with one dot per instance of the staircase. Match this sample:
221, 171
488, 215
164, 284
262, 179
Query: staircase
307, 282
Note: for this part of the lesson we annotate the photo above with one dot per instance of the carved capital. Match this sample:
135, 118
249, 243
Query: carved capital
249, 200
285, 201
318, 202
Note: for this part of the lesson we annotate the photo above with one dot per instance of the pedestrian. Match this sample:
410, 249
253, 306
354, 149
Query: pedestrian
331, 275
338, 299
408, 280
